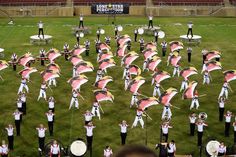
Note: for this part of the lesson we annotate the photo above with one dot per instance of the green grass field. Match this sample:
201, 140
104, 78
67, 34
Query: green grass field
218, 34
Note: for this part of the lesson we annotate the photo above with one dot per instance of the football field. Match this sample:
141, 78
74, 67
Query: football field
217, 34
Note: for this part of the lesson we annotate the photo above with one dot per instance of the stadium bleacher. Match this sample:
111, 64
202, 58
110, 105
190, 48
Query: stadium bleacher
31, 2
233, 2
188, 2
89, 2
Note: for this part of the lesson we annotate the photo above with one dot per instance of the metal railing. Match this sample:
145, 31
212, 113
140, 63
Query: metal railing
92, 2
196, 3
23, 4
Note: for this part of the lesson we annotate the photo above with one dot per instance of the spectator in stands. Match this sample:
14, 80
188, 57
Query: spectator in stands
81, 21
190, 29
150, 24
40, 25
135, 151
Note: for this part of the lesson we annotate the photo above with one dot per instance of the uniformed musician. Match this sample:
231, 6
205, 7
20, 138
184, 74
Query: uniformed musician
123, 131
50, 117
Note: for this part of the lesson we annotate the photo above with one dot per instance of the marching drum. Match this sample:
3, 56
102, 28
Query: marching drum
161, 34
140, 31
212, 148
120, 28
78, 148
102, 31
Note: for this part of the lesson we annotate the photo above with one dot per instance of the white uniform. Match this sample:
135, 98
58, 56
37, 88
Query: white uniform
42, 92
221, 149
88, 116
157, 90
125, 71
55, 149
74, 100
194, 102
96, 110
171, 148
139, 119
184, 85
74, 71
4, 149
145, 64
127, 79
134, 99
89, 130
40, 25
107, 153
224, 90
51, 104
206, 78
23, 86
166, 112
176, 71
99, 75
52, 82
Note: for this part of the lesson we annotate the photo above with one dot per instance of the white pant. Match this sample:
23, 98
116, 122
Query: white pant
74, 72
153, 80
144, 65
134, 100
124, 73
138, 119
52, 82
21, 88
206, 79
166, 113
42, 94
126, 84
95, 111
176, 71
194, 101
74, 101
224, 91
98, 77
156, 91
184, 86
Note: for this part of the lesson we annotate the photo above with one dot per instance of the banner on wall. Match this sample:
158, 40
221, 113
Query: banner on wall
110, 8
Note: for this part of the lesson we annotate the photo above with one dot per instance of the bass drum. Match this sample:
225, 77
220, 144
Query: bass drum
47, 148
212, 148
78, 148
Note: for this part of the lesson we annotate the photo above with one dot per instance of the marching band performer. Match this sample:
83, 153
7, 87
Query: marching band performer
107, 152
228, 117
157, 90
192, 119
51, 104
96, 109
14, 61
145, 64
125, 71
134, 99
42, 92
66, 51
171, 149
224, 90
189, 52
165, 129
50, 116
42, 56
123, 131
99, 75
194, 101
87, 46
41, 136
176, 70
221, 102
150, 23
156, 36
206, 77
184, 85
135, 35
23, 86
89, 134
221, 149
200, 127
81, 21
97, 42
108, 40
141, 43
23, 100
116, 30
164, 48
55, 149
40, 26
19, 107
127, 79
53, 82
88, 116
98, 32
10, 136
4, 149
166, 113
190, 29
17, 114
77, 37
74, 99
138, 118
129, 45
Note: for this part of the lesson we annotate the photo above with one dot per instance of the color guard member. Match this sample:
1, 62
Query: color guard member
141, 43
194, 101
206, 77
23, 86
184, 85
224, 90
42, 56
14, 61
164, 48
42, 92
96, 109
66, 51
74, 99
108, 40
138, 118
166, 113
87, 46
157, 90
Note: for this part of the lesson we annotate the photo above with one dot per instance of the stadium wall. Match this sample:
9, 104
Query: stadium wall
133, 11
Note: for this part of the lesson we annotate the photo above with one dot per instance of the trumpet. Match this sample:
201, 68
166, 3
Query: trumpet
202, 116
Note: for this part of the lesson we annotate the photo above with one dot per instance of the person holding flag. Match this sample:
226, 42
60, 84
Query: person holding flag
157, 90
23, 86
96, 109
99, 75
166, 113
184, 84
108, 40
138, 118
141, 42
224, 90
206, 77
74, 99
42, 92
176, 70
195, 101
42, 56
127, 79
87, 46
134, 99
